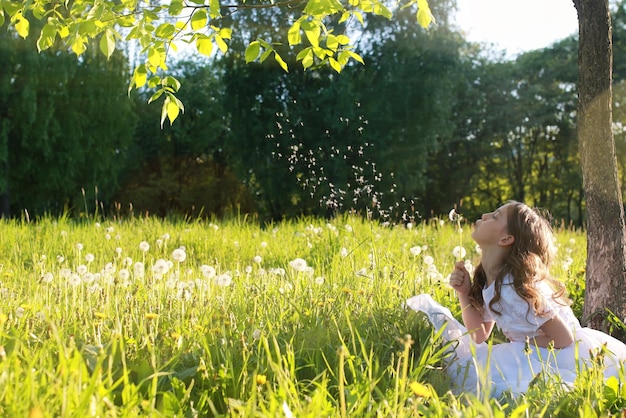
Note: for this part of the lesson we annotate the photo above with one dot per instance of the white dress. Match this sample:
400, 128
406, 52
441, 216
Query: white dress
496, 368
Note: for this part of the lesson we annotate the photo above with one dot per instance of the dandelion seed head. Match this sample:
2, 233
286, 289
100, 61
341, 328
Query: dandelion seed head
428, 260
79, 246
298, 264
459, 252
207, 271
89, 258
179, 255
415, 250
257, 259
144, 246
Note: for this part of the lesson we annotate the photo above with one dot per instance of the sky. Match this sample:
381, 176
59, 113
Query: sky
517, 25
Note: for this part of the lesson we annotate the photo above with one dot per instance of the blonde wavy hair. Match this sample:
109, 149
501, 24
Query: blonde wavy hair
528, 261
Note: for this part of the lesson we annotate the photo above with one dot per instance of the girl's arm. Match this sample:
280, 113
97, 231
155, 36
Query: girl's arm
473, 319
556, 333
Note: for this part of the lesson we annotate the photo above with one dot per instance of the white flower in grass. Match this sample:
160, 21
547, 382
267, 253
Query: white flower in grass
79, 246
74, 279
343, 252
118, 251
428, 260
263, 244
207, 271
256, 334
223, 280
65, 273
309, 271
89, 258
298, 264
60, 259
459, 252
82, 269
257, 259
165, 236
97, 225
89, 278
144, 246
159, 243
288, 287
319, 280
109, 268
179, 255
348, 228
19, 312
362, 272
160, 267
139, 270
107, 237
124, 274
248, 269
64, 234
127, 262
416, 250
94, 288
47, 278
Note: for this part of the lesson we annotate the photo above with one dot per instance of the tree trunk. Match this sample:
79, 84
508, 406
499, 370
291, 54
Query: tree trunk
606, 250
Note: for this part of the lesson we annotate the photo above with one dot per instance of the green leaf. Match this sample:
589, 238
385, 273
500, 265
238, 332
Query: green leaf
221, 44
293, 35
199, 19
22, 26
381, 10
155, 57
214, 8
306, 56
252, 51
46, 37
165, 30
424, 15
107, 43
171, 82
204, 46
281, 62
226, 33
176, 7
1, 17
356, 57
334, 64
140, 76
332, 42
79, 45
312, 31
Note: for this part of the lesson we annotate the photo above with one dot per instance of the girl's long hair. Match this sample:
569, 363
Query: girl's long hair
528, 261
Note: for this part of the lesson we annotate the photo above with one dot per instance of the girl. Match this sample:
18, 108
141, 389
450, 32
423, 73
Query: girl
512, 288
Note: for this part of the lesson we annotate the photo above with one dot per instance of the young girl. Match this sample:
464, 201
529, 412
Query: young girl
512, 289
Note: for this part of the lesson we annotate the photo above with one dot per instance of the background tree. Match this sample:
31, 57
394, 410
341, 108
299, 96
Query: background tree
606, 233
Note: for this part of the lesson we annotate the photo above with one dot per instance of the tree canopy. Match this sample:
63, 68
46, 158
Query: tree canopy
318, 32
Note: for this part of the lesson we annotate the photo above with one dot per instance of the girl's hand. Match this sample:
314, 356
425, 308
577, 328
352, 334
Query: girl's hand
460, 279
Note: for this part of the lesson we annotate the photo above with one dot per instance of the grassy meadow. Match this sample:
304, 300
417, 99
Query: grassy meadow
146, 317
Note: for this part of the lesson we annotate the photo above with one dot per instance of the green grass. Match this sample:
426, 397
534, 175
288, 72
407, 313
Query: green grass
84, 334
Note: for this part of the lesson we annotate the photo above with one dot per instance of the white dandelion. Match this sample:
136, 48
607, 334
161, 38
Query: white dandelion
179, 255
144, 246
298, 264
459, 252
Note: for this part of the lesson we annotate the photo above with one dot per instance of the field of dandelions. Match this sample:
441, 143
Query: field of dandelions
147, 317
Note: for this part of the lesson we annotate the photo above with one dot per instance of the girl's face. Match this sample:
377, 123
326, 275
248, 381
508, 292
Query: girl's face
492, 228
